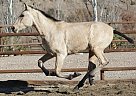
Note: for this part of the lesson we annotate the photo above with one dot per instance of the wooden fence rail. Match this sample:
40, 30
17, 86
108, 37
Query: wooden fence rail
122, 22
40, 71
24, 44
23, 52
102, 76
19, 34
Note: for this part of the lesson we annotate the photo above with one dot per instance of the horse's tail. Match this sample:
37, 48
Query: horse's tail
124, 36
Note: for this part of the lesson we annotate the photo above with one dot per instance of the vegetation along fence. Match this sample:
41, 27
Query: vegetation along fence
117, 45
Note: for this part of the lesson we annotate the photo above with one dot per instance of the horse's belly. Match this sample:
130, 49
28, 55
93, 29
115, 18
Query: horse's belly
75, 48
77, 41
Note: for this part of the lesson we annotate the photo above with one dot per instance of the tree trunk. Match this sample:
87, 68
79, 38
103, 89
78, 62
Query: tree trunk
94, 4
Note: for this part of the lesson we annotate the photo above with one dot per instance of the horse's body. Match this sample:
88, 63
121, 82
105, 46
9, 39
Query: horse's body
71, 38
61, 38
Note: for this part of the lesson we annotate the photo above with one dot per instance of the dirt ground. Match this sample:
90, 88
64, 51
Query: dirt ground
99, 88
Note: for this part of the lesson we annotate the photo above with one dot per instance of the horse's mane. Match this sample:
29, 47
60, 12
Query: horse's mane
45, 14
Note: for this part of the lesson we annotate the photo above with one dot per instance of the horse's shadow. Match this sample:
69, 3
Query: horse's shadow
10, 86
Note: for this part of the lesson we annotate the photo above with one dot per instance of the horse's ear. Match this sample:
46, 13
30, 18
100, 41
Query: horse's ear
27, 7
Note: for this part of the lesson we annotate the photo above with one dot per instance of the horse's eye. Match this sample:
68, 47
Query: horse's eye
21, 15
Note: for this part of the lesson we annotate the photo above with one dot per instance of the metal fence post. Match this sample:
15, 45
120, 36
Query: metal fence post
101, 74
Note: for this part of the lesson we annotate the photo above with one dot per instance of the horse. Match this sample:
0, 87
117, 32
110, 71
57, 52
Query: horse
61, 39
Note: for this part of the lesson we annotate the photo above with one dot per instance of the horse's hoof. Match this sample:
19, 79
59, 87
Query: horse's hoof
71, 76
76, 74
52, 73
76, 89
91, 82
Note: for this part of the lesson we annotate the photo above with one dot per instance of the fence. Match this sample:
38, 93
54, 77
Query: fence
110, 49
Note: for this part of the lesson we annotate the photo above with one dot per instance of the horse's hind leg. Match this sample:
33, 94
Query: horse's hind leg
100, 55
92, 66
42, 60
89, 74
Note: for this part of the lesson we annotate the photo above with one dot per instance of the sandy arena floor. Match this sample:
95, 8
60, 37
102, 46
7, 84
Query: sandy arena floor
100, 88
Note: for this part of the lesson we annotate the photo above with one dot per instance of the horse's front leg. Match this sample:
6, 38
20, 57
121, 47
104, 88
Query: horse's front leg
59, 64
42, 60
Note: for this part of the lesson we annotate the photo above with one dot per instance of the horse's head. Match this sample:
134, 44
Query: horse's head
24, 20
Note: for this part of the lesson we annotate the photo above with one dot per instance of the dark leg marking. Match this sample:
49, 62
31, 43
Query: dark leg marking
42, 60
81, 83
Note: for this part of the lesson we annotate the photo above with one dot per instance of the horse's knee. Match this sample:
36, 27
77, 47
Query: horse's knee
104, 64
40, 63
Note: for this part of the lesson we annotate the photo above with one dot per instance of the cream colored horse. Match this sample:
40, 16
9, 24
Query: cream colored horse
61, 38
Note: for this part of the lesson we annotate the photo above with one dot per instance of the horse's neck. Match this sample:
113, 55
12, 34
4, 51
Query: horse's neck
44, 25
